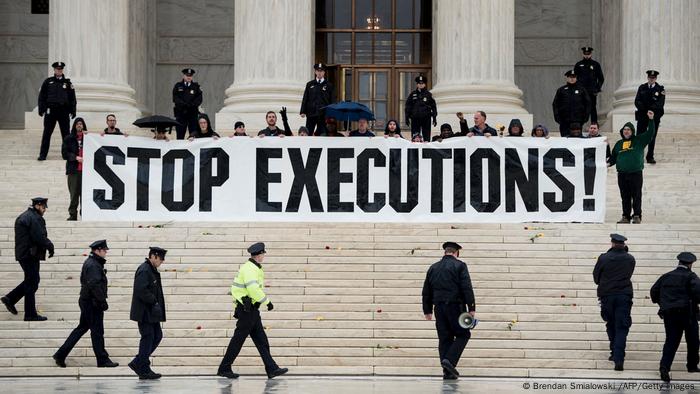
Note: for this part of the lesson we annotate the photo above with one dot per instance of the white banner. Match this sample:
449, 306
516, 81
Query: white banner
324, 179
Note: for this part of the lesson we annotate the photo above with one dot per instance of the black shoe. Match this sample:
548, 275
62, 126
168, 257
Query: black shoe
9, 305
449, 376
277, 372
651, 161
150, 375
72, 219
636, 219
449, 367
108, 364
228, 374
61, 362
664, 374
36, 318
694, 369
619, 366
41, 158
133, 367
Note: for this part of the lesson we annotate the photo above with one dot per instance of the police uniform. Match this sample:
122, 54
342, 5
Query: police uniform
571, 104
649, 98
248, 294
590, 75
613, 275
56, 103
187, 98
317, 94
678, 294
420, 108
448, 291
93, 304
31, 245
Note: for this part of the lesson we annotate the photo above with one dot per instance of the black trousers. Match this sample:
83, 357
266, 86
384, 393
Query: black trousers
27, 288
75, 183
564, 129
188, 121
55, 115
616, 312
421, 125
317, 123
91, 318
151, 335
642, 125
630, 184
594, 109
676, 323
249, 323
452, 338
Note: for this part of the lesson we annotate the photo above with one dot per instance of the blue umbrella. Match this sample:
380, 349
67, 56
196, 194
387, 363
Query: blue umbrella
349, 111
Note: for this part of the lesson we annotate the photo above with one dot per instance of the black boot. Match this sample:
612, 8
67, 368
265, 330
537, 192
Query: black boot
447, 365
619, 366
228, 374
277, 372
10, 307
108, 364
61, 362
36, 318
664, 374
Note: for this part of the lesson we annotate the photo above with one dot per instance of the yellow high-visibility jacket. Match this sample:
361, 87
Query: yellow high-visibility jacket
250, 283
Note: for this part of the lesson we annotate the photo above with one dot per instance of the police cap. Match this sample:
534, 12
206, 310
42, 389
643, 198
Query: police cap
587, 49
188, 71
320, 67
453, 245
617, 238
421, 79
570, 73
58, 65
652, 73
686, 258
256, 248
40, 200
100, 244
157, 251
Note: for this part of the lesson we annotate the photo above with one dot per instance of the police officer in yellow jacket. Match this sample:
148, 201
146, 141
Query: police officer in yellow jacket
248, 294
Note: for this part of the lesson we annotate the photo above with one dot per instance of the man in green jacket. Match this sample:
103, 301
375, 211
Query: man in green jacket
628, 157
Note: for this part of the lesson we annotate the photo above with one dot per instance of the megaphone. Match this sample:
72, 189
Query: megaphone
466, 320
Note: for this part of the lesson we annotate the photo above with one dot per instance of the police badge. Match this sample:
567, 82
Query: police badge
656, 94
576, 91
591, 67
425, 99
192, 91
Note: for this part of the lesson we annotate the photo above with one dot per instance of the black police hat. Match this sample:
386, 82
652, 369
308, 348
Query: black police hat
188, 71
453, 245
320, 66
59, 65
100, 244
652, 73
421, 79
686, 258
238, 124
617, 238
40, 200
256, 248
158, 251
570, 73
587, 49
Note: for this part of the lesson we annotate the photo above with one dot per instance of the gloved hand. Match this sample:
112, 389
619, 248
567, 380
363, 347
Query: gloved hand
51, 250
104, 306
434, 122
283, 112
270, 306
408, 121
72, 115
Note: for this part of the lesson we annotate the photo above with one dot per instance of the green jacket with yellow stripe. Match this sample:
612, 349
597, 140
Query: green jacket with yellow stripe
250, 283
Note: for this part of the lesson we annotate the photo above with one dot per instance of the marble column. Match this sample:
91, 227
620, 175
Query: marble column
664, 36
92, 38
273, 58
473, 61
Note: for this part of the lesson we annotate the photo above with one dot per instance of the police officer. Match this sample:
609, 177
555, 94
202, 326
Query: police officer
590, 75
448, 290
571, 104
650, 97
678, 294
93, 304
187, 97
613, 275
420, 108
56, 103
318, 94
148, 309
248, 294
31, 245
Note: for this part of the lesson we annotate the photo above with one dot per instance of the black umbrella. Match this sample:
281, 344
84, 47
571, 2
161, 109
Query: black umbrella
158, 122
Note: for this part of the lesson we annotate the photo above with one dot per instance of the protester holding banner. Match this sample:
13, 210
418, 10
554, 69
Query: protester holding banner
72, 151
481, 128
272, 130
392, 129
362, 129
515, 128
205, 130
540, 131
239, 130
331, 128
445, 133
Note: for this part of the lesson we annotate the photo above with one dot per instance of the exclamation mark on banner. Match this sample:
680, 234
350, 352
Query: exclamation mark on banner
589, 178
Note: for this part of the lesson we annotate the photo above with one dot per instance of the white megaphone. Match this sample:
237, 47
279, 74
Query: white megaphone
466, 320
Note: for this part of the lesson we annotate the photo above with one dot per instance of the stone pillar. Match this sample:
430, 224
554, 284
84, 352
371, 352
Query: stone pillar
92, 38
664, 36
473, 61
273, 60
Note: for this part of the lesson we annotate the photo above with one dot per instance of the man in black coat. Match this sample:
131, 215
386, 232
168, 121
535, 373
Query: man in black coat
93, 304
613, 275
420, 108
678, 294
148, 309
56, 102
187, 97
590, 75
650, 97
317, 94
448, 290
31, 245
571, 104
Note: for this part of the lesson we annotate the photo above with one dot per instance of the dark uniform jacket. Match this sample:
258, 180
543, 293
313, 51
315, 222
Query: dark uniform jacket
147, 302
420, 105
448, 281
571, 104
93, 281
316, 96
57, 94
70, 151
649, 99
31, 239
187, 99
613, 272
678, 290
590, 75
